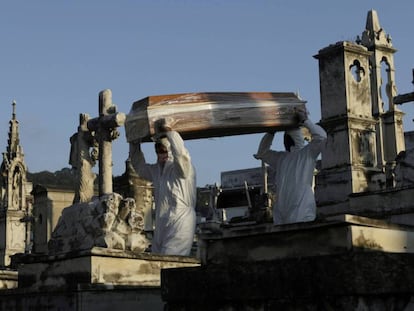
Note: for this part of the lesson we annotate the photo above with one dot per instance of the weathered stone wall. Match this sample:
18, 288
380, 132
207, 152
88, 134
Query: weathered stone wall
92, 298
353, 281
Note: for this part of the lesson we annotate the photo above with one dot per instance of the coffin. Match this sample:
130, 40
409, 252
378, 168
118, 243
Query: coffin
202, 115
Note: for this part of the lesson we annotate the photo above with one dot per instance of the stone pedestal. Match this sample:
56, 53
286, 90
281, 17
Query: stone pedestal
96, 266
341, 263
94, 279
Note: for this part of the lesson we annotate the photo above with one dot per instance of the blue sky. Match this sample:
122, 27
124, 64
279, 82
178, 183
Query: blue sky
56, 56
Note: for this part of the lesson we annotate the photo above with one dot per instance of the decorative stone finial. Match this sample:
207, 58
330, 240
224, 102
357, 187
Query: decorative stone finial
374, 34
14, 109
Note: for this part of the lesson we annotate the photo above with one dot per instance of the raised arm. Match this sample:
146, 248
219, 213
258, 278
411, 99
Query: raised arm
264, 146
264, 152
181, 156
318, 134
137, 158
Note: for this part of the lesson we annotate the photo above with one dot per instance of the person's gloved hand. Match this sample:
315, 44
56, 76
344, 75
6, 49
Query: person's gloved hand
301, 115
161, 126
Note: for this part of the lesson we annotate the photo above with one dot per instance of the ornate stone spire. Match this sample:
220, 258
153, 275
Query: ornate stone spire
389, 129
14, 197
13, 148
374, 34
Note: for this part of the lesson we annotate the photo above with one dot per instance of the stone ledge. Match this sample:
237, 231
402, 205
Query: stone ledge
333, 235
96, 266
99, 251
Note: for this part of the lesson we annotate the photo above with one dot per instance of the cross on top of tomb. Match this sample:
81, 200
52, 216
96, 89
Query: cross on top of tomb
105, 128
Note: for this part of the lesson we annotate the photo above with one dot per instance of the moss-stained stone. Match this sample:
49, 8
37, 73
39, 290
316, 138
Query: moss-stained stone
95, 266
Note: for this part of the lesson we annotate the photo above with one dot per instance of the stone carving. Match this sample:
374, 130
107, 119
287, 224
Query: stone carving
16, 185
110, 222
83, 159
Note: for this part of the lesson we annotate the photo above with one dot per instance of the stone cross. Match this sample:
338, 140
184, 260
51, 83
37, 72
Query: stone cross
404, 98
105, 130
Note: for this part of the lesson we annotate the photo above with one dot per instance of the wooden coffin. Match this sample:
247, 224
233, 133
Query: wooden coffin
202, 115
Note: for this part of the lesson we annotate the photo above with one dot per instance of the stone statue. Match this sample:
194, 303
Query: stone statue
16, 188
83, 156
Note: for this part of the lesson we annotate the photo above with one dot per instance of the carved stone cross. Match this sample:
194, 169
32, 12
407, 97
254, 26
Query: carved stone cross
105, 127
404, 98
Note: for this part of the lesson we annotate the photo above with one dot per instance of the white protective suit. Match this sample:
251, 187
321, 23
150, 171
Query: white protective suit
293, 174
175, 196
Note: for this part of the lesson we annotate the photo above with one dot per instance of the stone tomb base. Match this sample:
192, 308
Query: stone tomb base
96, 279
341, 263
333, 235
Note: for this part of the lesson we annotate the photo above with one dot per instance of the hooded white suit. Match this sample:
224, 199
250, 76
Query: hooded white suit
293, 174
175, 196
